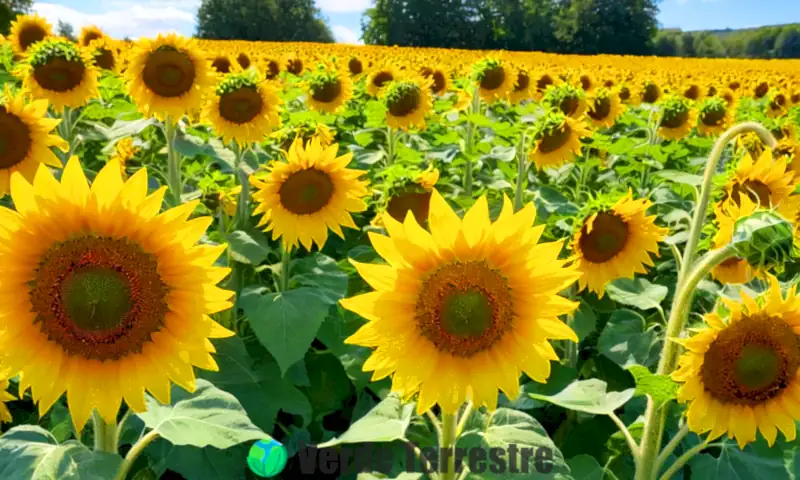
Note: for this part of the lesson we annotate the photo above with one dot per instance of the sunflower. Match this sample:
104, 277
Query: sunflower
243, 60
59, 71
587, 82
413, 197
760, 89
789, 151
111, 296
692, 92
568, 99
272, 68
493, 79
764, 181
379, 79
25, 138
407, 101
105, 54
733, 270
440, 81
243, 108
714, 116
229, 199
26, 30
124, 151
541, 83
168, 76
355, 66
604, 108
293, 64
778, 104
739, 373
557, 140
222, 64
649, 92
453, 316
328, 89
89, 34
677, 118
615, 243
5, 414
751, 144
522, 87
312, 191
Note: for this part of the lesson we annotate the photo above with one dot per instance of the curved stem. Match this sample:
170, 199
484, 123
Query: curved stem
134, 453
120, 425
448, 444
522, 171
173, 162
681, 461
104, 434
672, 445
475, 109
436, 425
426, 465
462, 421
627, 434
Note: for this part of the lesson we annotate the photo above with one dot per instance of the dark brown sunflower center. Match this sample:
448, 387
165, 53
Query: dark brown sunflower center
493, 78
294, 66
105, 59
99, 297
555, 139
464, 308
569, 105
240, 106
734, 85
355, 66
712, 90
675, 119
601, 108
692, 93
418, 203
439, 81
651, 93
757, 191
795, 98
586, 82
778, 102
87, 39
15, 139
221, 64
544, 82
405, 103
608, 237
731, 262
713, 118
273, 69
328, 92
243, 60
751, 361
306, 192
523, 82
625, 94
169, 73
382, 78
761, 90
59, 75
31, 34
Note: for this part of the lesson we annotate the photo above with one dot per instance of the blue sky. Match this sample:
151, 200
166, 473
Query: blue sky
136, 18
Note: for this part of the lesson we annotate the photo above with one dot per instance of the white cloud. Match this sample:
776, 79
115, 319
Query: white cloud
343, 6
125, 19
343, 34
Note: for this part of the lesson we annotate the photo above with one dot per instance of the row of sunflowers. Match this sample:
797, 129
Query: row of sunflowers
549, 251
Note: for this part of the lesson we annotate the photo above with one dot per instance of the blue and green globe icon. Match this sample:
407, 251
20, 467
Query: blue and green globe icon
267, 458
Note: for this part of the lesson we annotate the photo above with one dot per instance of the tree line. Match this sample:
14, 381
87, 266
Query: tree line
765, 42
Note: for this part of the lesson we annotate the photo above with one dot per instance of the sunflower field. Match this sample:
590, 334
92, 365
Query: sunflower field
229, 260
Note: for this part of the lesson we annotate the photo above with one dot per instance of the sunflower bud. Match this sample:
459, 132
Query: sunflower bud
764, 239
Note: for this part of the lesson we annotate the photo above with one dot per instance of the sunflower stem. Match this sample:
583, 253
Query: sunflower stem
474, 109
286, 257
635, 451
462, 420
522, 172
448, 444
681, 461
105, 434
173, 162
134, 453
389, 146
436, 425
672, 445
242, 204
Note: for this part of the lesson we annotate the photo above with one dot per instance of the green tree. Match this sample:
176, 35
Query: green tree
268, 20
608, 26
687, 45
787, 44
9, 9
667, 44
707, 45
521, 24
66, 30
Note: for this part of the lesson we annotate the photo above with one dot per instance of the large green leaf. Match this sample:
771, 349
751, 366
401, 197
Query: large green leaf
680, 177
588, 396
584, 321
287, 322
320, 272
637, 293
585, 467
336, 328
328, 386
199, 463
207, 417
386, 422
250, 247
32, 453
660, 388
755, 462
626, 340
505, 428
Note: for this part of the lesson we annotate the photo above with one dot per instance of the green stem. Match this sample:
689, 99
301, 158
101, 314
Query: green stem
475, 109
681, 461
522, 172
389, 145
426, 465
627, 434
173, 162
104, 434
286, 257
448, 444
671, 446
436, 425
462, 421
243, 203
120, 425
134, 453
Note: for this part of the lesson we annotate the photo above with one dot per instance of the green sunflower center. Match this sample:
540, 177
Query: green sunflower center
240, 106
306, 192
169, 73
757, 366
466, 314
608, 238
96, 298
15, 139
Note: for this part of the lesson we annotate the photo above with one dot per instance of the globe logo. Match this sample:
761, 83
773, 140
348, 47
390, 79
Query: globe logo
267, 458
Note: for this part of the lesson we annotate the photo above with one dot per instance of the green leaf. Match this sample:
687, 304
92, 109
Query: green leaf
124, 128
660, 388
584, 322
560, 377
60, 422
31, 452
199, 463
755, 462
637, 293
207, 417
329, 387
287, 322
251, 248
333, 333
585, 467
320, 272
508, 427
386, 422
625, 340
680, 177
588, 396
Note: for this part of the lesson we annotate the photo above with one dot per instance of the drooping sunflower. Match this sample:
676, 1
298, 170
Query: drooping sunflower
616, 242
764, 181
168, 76
677, 118
571, 101
407, 101
59, 71
89, 34
739, 373
493, 79
604, 108
328, 89
522, 87
557, 140
311, 192
714, 116
379, 79
452, 317
26, 30
105, 54
25, 138
111, 296
243, 108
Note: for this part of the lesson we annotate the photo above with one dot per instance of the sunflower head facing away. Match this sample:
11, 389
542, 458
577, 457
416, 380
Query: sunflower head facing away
89, 34
328, 89
739, 373
25, 138
243, 108
112, 296
407, 101
450, 317
312, 191
61, 72
493, 79
616, 242
714, 116
557, 140
677, 118
27, 30
168, 76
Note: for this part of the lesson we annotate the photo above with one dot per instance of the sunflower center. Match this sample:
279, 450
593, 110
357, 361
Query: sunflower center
625, 94
243, 60
602, 108
608, 237
59, 74
240, 106
755, 190
778, 102
712, 118
273, 69
651, 93
692, 93
105, 59
306, 192
418, 203
87, 39
675, 119
569, 105
98, 297
586, 82
355, 66
221, 64
294, 66
30, 35
493, 78
169, 73
523, 82
405, 102
15, 139
751, 361
543, 82
464, 308
555, 139
328, 92
761, 90
382, 78
439, 81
